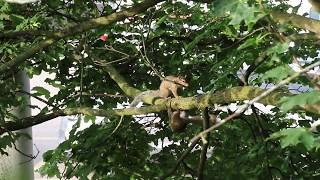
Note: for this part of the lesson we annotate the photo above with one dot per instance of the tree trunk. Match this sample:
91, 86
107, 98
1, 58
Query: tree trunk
17, 165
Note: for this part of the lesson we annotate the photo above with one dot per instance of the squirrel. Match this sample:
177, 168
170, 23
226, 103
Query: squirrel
168, 86
179, 120
315, 5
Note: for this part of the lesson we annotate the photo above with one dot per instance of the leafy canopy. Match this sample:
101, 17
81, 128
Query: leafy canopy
100, 51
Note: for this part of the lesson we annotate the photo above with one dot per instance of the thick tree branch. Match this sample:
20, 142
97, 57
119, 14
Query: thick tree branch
28, 121
222, 97
298, 21
122, 83
281, 17
304, 36
19, 34
266, 93
38, 119
79, 28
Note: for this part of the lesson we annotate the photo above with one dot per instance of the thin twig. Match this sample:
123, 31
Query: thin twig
243, 38
38, 98
117, 127
203, 155
20, 151
126, 56
253, 67
258, 119
146, 59
81, 47
99, 63
189, 170
183, 156
56, 12
110, 48
102, 95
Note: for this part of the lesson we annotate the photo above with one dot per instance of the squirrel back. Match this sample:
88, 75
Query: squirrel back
168, 86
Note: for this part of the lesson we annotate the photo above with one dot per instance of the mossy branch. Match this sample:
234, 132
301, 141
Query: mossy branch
227, 96
77, 29
298, 21
122, 83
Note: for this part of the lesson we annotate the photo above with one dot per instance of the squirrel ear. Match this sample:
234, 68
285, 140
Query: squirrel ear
183, 77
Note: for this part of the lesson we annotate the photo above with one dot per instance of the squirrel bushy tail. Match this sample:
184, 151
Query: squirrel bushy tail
140, 97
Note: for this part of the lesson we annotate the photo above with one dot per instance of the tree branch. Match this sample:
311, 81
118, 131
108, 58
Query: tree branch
183, 156
221, 97
79, 28
242, 108
28, 121
18, 34
122, 83
205, 145
298, 21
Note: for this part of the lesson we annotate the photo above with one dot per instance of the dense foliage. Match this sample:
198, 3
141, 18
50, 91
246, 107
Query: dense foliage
99, 50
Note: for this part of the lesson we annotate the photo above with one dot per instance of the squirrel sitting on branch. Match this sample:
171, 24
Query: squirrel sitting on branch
178, 120
169, 86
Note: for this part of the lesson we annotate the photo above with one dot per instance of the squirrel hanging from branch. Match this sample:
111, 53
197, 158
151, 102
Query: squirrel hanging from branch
178, 120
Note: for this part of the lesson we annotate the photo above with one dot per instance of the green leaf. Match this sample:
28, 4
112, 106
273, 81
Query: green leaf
1, 25
40, 91
17, 19
295, 136
5, 142
53, 3
279, 48
277, 74
288, 103
44, 110
88, 118
255, 41
162, 19
47, 155
249, 14
198, 38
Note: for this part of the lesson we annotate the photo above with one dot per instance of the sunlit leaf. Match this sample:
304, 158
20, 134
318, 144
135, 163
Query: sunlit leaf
300, 100
41, 91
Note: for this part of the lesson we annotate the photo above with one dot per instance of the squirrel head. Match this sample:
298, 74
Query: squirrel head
182, 81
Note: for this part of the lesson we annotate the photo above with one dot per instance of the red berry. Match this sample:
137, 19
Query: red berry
104, 37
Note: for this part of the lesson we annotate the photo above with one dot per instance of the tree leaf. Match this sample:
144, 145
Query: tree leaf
295, 136
277, 74
288, 103
41, 91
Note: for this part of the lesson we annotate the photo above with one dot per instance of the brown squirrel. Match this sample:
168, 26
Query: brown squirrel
315, 5
179, 120
168, 86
